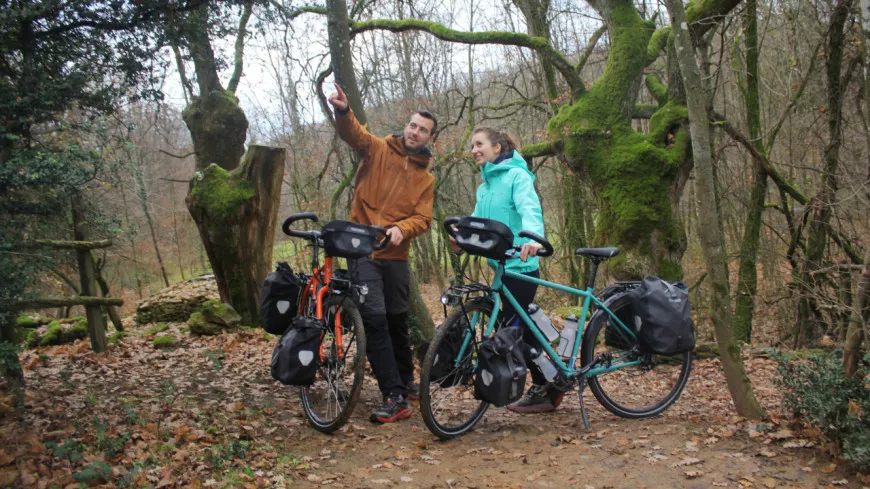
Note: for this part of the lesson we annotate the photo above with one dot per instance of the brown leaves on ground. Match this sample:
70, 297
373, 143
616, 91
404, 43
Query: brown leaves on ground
208, 415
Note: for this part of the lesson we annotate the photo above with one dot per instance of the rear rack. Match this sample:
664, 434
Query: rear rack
459, 294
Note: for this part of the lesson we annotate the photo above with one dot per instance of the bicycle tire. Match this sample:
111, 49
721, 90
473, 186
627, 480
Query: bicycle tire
623, 392
450, 421
329, 402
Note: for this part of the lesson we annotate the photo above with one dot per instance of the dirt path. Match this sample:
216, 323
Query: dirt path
207, 414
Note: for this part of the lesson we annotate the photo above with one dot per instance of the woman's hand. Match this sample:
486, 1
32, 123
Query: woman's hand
456, 248
530, 249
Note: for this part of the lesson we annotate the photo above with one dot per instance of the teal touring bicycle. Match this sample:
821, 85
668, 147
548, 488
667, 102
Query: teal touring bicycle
606, 354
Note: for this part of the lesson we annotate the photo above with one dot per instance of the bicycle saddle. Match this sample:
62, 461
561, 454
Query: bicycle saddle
598, 252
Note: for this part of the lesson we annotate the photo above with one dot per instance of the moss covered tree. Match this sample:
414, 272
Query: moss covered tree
637, 178
234, 196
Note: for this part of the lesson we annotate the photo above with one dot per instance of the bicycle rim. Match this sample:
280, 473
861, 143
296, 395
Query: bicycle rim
636, 391
447, 401
330, 400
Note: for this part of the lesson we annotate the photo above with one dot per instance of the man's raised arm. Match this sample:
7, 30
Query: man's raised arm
349, 129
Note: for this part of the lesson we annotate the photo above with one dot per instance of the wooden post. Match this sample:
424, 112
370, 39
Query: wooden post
87, 271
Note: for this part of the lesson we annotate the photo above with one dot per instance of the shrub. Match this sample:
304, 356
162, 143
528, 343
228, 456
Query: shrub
838, 406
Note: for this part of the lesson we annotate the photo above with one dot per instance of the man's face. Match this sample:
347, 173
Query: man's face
418, 132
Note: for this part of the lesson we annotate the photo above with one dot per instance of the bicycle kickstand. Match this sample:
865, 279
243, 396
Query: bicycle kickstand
583, 415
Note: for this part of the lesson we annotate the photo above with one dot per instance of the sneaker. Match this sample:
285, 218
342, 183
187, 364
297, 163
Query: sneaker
413, 391
538, 399
395, 408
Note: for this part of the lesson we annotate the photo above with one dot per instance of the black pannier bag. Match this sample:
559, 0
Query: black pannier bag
484, 237
662, 310
279, 299
348, 239
500, 376
615, 336
297, 354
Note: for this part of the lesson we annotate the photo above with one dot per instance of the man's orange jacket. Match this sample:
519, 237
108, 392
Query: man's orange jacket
392, 187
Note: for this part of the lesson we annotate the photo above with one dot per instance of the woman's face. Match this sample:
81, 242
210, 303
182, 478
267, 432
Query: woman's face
482, 148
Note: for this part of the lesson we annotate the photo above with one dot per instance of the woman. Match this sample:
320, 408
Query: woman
508, 195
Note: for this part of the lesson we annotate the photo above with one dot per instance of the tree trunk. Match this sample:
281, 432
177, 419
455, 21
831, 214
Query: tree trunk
712, 237
859, 320
419, 320
143, 200
87, 270
809, 319
860, 316
637, 179
112, 311
236, 214
747, 281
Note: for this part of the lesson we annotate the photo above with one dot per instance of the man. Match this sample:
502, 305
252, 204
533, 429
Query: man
393, 189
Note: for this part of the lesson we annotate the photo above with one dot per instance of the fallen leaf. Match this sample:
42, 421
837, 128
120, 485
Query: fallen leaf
768, 482
687, 461
693, 474
829, 468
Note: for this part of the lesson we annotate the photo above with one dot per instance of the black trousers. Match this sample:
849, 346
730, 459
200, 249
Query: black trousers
524, 293
385, 318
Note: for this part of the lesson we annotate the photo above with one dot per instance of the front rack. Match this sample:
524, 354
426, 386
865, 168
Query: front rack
459, 294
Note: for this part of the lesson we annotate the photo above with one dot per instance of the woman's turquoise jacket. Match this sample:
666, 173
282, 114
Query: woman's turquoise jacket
508, 195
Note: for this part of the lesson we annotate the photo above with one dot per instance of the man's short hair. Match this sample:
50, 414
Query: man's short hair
428, 115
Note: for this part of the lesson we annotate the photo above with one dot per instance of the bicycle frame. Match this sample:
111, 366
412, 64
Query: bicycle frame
589, 298
317, 288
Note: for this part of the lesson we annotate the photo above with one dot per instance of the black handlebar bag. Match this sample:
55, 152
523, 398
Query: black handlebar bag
662, 311
279, 299
297, 354
484, 237
500, 376
348, 239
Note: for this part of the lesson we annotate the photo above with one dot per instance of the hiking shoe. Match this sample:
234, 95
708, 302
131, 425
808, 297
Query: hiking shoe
413, 391
538, 399
395, 408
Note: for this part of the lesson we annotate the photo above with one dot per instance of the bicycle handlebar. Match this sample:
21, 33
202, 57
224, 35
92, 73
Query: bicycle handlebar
547, 251
310, 216
383, 244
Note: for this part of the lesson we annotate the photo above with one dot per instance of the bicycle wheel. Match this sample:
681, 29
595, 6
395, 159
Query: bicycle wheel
447, 400
329, 401
636, 391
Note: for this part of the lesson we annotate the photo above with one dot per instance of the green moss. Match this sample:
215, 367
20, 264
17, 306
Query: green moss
669, 270
77, 332
116, 338
199, 326
164, 342
31, 340
219, 192
657, 43
658, 90
157, 328
24, 321
53, 335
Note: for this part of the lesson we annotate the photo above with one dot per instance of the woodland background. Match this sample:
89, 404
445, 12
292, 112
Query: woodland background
114, 111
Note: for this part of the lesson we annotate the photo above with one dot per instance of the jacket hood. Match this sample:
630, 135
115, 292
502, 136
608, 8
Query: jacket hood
396, 142
491, 170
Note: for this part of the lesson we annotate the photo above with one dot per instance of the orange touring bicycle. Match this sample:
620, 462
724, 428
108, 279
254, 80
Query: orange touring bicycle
330, 297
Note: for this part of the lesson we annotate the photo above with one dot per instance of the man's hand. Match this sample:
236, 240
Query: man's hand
529, 249
338, 100
395, 235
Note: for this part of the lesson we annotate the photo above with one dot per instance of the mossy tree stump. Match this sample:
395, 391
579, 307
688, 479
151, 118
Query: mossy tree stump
236, 214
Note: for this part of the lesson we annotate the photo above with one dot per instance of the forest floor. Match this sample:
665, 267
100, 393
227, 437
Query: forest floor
208, 414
